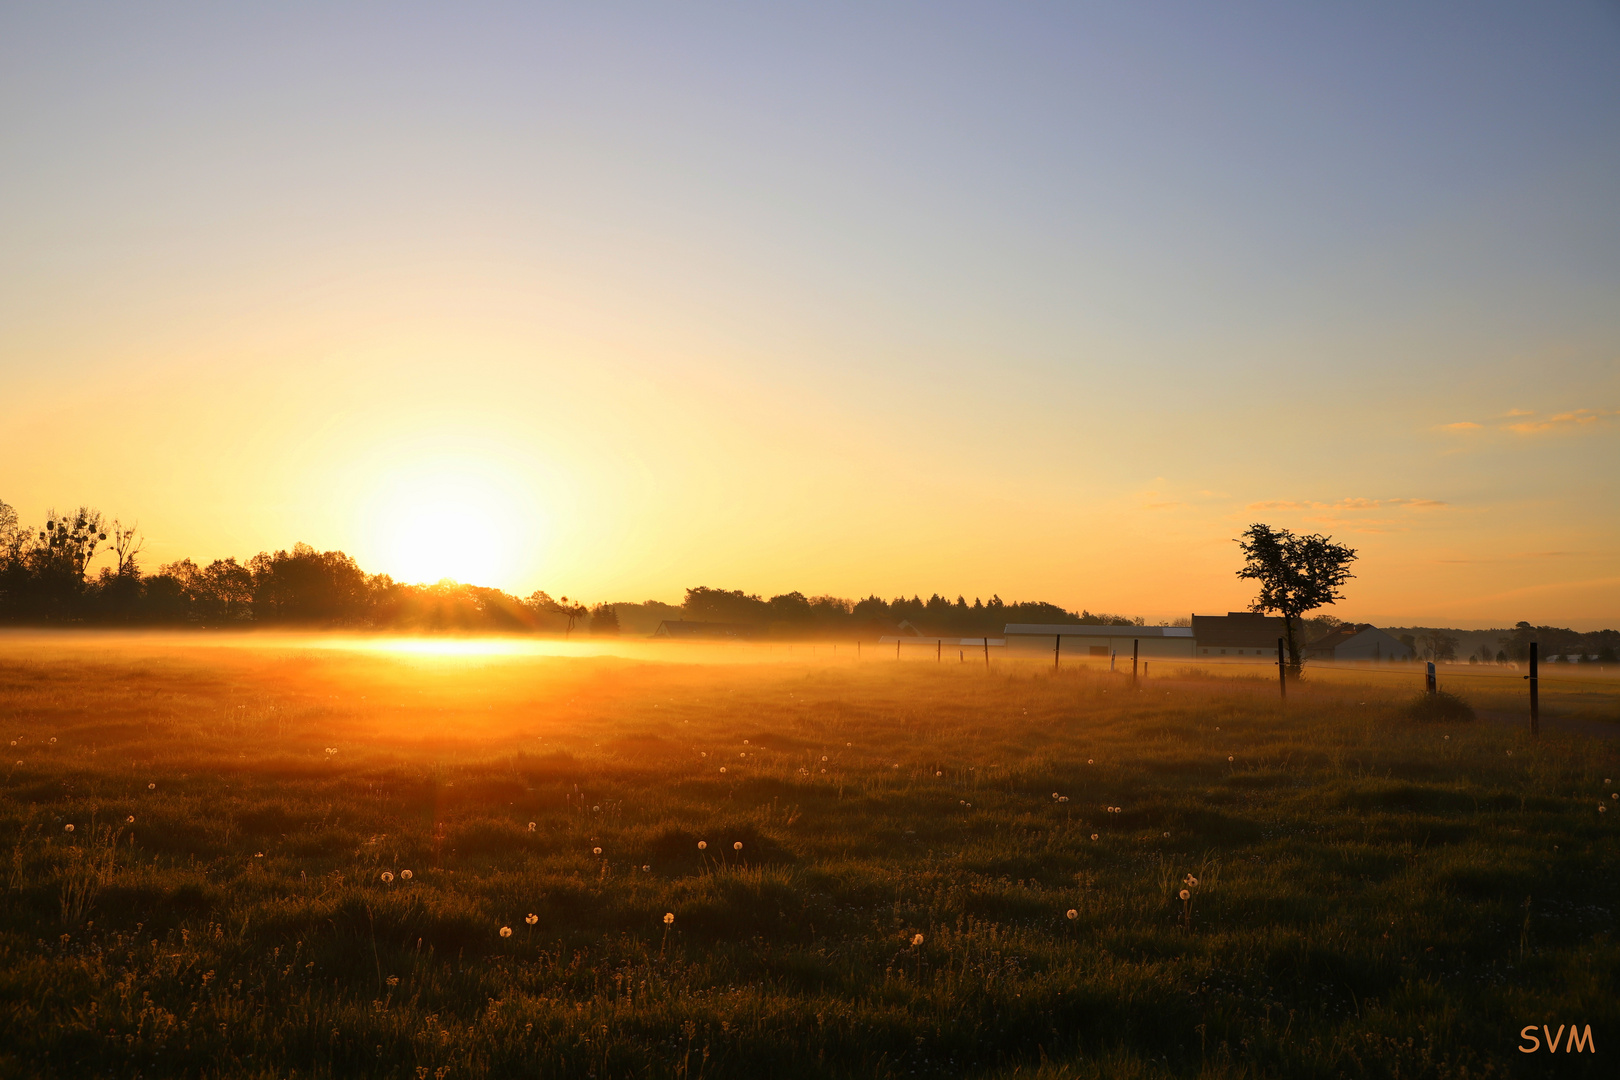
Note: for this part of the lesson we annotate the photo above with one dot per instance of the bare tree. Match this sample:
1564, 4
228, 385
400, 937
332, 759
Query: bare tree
126, 544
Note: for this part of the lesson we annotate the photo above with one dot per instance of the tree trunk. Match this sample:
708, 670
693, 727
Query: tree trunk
1296, 663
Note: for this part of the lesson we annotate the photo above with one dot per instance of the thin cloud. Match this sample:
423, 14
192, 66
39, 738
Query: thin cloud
1461, 425
1349, 504
1565, 421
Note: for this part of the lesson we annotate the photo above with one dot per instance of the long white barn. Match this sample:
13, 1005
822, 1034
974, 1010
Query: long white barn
1064, 639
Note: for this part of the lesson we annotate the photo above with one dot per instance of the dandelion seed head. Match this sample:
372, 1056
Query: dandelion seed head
1186, 894
531, 918
67, 828
1192, 881
596, 851
149, 787
1072, 914
531, 826
387, 876
916, 939
722, 768
1229, 757
1089, 761
823, 757
645, 869
737, 846
669, 918
506, 931
1603, 808
1167, 836
130, 820
938, 773
406, 874
702, 844
596, 809
1063, 798
53, 740
1094, 836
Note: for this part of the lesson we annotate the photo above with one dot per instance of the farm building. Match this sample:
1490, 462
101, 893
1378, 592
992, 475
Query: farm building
1237, 633
1063, 639
688, 630
1354, 641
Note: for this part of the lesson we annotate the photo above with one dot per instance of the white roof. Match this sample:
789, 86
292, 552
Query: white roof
976, 642
1070, 630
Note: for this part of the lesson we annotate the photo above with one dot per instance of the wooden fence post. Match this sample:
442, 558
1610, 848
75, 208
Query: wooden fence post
987, 654
1282, 671
1057, 647
1535, 693
1430, 683
1135, 644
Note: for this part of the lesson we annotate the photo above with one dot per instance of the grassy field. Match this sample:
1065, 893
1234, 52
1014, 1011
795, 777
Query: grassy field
278, 858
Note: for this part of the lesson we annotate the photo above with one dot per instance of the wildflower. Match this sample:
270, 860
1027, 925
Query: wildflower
596, 851
506, 931
669, 918
1072, 914
1186, 894
916, 939
702, 844
531, 826
1094, 836
67, 828
1229, 757
1192, 881
130, 820
722, 768
531, 918
149, 787
1089, 761
737, 846
387, 876
406, 874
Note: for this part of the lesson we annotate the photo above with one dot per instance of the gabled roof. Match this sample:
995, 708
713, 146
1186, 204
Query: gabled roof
1336, 637
682, 628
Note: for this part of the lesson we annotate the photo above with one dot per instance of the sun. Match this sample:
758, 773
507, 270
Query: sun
461, 520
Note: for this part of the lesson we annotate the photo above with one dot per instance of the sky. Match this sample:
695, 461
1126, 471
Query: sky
1043, 300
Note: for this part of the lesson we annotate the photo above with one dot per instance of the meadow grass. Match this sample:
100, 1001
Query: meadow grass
1374, 896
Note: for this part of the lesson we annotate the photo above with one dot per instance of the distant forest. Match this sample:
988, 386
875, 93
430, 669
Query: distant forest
80, 570
47, 578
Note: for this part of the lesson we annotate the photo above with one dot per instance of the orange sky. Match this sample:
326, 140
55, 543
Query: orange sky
810, 302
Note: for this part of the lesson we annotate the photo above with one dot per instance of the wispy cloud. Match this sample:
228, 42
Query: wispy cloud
1347, 504
1566, 421
1529, 422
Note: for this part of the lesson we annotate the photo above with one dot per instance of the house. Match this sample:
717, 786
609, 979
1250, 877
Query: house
1358, 641
688, 630
1237, 633
1065, 639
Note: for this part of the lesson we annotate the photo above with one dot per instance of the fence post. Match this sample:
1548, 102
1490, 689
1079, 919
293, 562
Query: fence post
1135, 643
987, 653
1057, 647
939, 649
1282, 671
1113, 654
897, 648
1429, 682
1535, 693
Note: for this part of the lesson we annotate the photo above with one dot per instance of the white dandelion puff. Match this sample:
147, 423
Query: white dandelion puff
405, 874
387, 877
1072, 914
531, 918
506, 931
916, 939
669, 918
737, 846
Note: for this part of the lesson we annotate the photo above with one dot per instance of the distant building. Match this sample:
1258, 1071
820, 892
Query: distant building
1073, 640
687, 630
1358, 641
1237, 633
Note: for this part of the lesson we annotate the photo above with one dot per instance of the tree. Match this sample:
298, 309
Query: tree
604, 621
1296, 574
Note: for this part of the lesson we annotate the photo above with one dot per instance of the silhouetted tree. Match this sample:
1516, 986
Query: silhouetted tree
604, 621
1296, 574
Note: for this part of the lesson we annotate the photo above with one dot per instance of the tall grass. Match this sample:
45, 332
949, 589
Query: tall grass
1360, 906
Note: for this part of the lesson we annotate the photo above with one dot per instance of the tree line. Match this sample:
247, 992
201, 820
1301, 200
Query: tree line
81, 569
